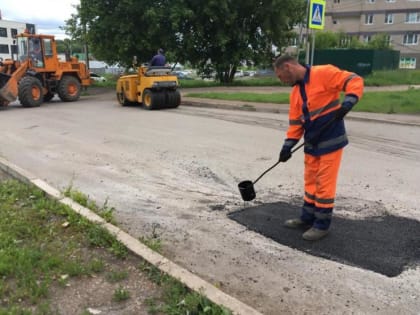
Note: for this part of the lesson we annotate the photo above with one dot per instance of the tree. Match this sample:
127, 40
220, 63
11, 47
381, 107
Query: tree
69, 46
326, 40
380, 41
219, 35
213, 35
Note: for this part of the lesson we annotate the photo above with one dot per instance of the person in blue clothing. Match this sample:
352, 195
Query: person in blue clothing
158, 59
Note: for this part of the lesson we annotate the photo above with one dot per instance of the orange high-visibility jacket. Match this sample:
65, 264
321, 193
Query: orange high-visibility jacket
313, 103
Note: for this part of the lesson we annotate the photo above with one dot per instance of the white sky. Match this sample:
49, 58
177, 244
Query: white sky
47, 15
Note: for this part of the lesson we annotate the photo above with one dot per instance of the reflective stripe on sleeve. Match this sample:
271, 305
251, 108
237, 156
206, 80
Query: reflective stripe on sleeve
295, 122
348, 80
290, 142
350, 98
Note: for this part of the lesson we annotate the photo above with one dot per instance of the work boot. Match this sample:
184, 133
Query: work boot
314, 234
296, 223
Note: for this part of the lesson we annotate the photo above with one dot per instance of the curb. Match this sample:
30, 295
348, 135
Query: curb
190, 280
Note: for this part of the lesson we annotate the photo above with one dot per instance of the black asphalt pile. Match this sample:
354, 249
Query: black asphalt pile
387, 245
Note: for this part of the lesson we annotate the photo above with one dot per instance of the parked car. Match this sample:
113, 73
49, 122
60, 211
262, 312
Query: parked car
97, 77
265, 73
182, 74
239, 73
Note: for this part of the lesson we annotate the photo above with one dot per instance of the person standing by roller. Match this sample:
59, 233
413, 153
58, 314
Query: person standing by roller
314, 102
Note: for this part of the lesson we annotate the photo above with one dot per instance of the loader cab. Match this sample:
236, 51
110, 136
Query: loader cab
31, 48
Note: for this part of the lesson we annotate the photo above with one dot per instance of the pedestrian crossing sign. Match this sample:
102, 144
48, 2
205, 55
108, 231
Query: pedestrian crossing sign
317, 14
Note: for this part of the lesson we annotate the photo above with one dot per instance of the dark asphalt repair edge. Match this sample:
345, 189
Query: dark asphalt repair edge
387, 244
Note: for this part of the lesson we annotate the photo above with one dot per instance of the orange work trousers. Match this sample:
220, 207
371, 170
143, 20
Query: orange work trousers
321, 174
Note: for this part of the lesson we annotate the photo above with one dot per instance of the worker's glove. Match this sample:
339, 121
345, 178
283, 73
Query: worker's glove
286, 150
285, 154
343, 110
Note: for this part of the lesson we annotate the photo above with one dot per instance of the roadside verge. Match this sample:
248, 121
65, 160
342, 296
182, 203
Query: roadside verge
399, 119
163, 264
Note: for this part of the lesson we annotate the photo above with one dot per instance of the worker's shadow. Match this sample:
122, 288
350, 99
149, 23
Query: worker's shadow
387, 245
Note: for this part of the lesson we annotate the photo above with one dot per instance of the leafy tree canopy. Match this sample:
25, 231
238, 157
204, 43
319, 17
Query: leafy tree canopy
213, 36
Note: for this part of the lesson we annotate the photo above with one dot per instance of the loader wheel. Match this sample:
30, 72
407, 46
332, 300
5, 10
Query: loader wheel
48, 97
69, 89
149, 100
30, 92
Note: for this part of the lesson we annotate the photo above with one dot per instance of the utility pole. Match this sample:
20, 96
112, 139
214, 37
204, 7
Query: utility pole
307, 32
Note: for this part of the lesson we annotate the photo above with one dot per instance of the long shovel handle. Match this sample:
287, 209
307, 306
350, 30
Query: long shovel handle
328, 124
266, 171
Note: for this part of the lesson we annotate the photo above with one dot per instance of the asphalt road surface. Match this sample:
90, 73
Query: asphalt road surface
173, 174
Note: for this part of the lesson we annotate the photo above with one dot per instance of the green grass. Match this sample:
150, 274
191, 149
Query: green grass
403, 102
394, 77
42, 244
281, 98
121, 294
177, 298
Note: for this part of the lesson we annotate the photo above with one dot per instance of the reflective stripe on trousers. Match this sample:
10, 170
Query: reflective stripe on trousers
321, 174
319, 218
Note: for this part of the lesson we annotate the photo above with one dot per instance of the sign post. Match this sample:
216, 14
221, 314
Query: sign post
316, 20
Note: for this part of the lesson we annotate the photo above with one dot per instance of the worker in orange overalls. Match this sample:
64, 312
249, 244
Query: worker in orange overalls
316, 113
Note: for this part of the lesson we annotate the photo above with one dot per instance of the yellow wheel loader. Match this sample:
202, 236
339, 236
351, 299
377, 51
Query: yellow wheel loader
152, 87
36, 74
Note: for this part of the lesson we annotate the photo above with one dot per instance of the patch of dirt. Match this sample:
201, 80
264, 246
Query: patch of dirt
95, 294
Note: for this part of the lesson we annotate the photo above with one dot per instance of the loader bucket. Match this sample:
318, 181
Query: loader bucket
8, 88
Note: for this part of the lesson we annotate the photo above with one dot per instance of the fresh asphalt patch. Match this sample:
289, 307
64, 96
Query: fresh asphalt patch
387, 244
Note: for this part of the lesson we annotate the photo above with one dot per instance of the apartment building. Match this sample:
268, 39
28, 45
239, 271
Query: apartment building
8, 31
399, 20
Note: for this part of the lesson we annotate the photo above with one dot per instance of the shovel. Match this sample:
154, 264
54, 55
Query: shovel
246, 187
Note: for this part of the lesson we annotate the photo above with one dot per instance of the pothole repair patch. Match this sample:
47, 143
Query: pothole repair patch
384, 244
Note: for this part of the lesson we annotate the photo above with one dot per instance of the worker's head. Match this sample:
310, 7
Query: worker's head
160, 51
288, 69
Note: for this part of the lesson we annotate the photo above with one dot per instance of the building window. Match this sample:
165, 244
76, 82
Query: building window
390, 1
345, 41
3, 32
388, 40
367, 38
368, 19
14, 32
4, 49
408, 63
410, 39
336, 1
389, 18
30, 28
412, 17
370, 1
